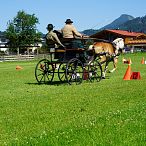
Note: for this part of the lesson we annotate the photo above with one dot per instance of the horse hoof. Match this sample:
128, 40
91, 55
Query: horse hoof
103, 77
108, 71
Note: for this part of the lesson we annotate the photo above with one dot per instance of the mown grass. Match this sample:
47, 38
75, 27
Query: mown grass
110, 112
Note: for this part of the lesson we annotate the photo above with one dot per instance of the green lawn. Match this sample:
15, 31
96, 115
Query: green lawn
107, 113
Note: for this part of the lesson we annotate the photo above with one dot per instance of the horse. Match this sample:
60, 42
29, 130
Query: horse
106, 52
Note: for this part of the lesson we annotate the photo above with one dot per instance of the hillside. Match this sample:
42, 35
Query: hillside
137, 25
114, 25
124, 22
89, 32
117, 22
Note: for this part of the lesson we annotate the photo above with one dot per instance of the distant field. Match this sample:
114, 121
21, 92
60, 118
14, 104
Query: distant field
107, 113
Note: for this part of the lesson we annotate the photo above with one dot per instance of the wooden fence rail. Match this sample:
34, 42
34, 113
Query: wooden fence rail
22, 57
16, 57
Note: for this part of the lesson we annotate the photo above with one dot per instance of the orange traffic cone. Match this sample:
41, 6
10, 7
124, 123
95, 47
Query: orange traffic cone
128, 73
129, 61
135, 75
142, 61
18, 67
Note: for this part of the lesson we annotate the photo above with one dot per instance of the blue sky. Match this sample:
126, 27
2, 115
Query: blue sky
86, 14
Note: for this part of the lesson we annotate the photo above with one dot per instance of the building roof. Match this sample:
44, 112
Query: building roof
126, 33
123, 33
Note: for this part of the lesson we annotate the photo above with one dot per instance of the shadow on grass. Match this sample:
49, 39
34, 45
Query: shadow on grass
57, 83
107, 77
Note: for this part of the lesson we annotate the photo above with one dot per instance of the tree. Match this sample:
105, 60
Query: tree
21, 31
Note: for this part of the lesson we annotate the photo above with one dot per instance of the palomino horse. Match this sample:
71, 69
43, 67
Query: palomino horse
107, 52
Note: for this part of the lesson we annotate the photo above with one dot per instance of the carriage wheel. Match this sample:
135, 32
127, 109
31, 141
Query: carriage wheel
74, 71
61, 72
95, 71
44, 71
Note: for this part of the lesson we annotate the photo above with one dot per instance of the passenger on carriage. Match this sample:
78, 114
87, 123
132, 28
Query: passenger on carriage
52, 37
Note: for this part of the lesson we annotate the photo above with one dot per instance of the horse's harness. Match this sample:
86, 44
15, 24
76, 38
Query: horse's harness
112, 56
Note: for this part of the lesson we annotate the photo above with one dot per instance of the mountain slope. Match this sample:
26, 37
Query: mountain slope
137, 25
117, 22
89, 32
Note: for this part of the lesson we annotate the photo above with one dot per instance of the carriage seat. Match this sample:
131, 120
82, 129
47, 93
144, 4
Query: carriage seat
60, 50
71, 45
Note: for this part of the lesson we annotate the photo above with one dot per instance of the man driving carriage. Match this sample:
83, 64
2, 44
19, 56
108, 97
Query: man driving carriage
71, 37
69, 31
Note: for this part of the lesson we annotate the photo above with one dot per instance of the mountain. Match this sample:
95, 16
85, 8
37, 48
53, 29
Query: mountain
137, 25
119, 21
89, 32
114, 25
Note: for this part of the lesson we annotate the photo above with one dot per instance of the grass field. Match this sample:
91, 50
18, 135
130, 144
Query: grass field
107, 113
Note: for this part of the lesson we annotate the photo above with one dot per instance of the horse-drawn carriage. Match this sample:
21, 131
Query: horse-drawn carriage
74, 63
69, 63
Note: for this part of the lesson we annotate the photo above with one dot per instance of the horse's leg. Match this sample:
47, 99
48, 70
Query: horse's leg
103, 61
115, 61
105, 69
90, 59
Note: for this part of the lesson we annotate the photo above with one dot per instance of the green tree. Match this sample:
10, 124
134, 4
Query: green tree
21, 31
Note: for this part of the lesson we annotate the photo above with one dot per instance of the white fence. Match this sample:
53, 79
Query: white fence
23, 57
16, 57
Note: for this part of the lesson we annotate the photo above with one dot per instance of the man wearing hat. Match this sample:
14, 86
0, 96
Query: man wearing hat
53, 36
69, 31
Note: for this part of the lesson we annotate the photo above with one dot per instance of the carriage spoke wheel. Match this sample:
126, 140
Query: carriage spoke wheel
61, 72
95, 71
74, 71
44, 71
